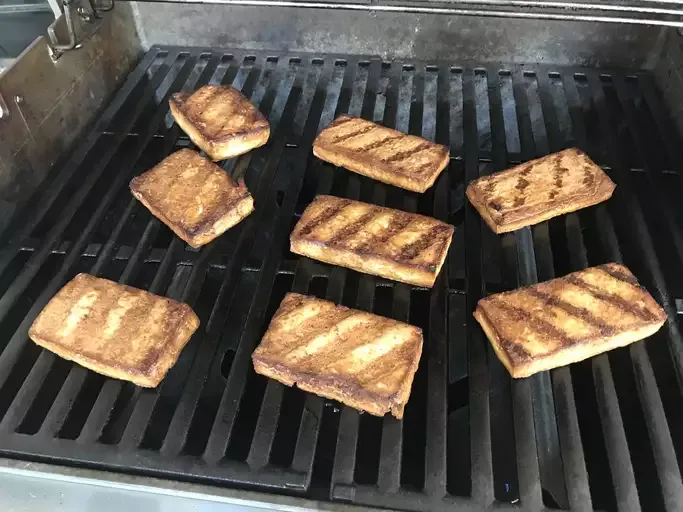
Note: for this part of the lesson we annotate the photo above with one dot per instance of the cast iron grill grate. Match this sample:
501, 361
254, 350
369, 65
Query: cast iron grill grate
604, 433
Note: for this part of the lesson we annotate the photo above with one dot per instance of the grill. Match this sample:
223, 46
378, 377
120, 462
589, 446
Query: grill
604, 433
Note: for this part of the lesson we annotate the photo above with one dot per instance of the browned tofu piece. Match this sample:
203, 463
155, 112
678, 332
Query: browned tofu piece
568, 319
362, 360
115, 330
539, 190
220, 121
193, 196
402, 246
381, 153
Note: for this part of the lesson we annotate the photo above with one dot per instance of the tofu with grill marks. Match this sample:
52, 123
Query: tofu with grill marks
389, 243
381, 153
220, 120
193, 196
568, 319
115, 330
539, 190
362, 360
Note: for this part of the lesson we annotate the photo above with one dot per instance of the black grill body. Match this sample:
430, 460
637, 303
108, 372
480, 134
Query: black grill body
606, 433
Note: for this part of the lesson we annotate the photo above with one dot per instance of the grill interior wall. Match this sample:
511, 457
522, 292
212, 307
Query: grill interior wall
604, 433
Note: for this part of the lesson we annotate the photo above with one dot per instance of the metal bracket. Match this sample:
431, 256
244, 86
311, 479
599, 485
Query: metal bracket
86, 15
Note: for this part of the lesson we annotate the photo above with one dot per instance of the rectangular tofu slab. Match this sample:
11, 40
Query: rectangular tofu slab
539, 190
389, 243
115, 330
568, 319
362, 360
193, 196
383, 154
220, 120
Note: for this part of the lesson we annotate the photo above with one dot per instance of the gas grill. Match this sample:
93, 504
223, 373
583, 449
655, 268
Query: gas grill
604, 434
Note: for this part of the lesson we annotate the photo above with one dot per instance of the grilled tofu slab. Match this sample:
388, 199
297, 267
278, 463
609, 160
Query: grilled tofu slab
193, 196
539, 190
115, 330
362, 360
568, 319
220, 121
397, 245
381, 153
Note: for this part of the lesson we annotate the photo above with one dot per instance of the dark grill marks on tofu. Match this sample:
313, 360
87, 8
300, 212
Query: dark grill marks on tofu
379, 143
404, 155
323, 217
364, 360
568, 319
615, 300
426, 240
437, 232
381, 153
397, 245
538, 324
539, 190
401, 223
581, 313
355, 226
362, 131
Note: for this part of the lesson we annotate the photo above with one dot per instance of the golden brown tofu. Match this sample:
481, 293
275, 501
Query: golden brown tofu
362, 360
115, 330
539, 190
568, 319
381, 153
220, 121
402, 246
193, 196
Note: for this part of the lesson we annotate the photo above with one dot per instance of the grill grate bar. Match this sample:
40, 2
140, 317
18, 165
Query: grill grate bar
522, 390
663, 205
114, 390
77, 374
265, 431
147, 403
140, 406
505, 468
436, 98
572, 453
653, 409
313, 408
181, 419
57, 413
70, 389
311, 418
267, 422
665, 454
654, 175
391, 453
225, 417
362, 103
11, 352
477, 345
546, 425
620, 463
